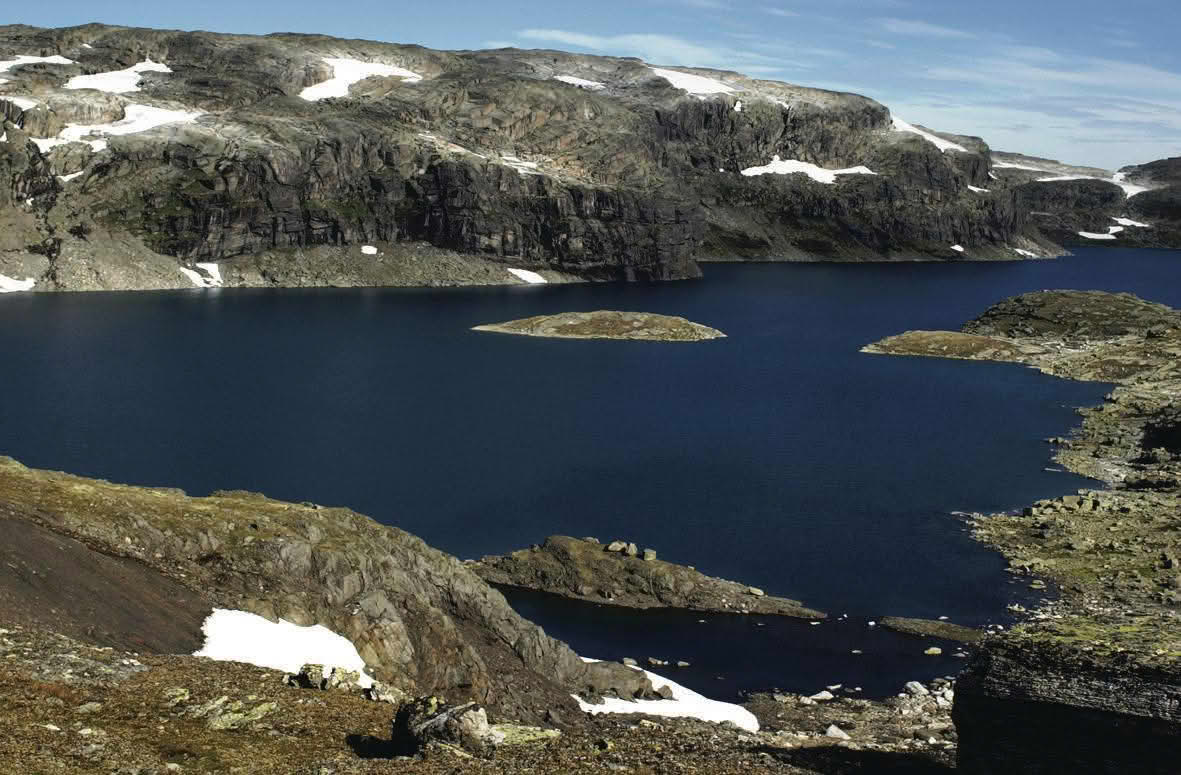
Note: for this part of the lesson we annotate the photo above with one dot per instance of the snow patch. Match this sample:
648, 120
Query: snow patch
581, 83
1111, 232
992, 175
1026, 253
117, 81
20, 102
685, 703
238, 636
136, 118
369, 250
738, 106
697, 85
958, 248
779, 166
533, 278
978, 190
211, 278
1130, 222
71, 176
346, 72
8, 64
520, 165
11, 284
1004, 165
943, 145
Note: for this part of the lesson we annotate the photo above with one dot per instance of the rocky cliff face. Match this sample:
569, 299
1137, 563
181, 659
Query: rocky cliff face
130, 153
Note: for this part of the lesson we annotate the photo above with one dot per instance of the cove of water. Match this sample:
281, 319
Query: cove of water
779, 456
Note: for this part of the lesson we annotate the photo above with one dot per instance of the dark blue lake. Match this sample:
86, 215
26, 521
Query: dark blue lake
780, 456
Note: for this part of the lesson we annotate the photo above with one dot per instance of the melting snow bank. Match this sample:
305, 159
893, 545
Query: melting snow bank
11, 285
685, 703
21, 59
789, 166
581, 83
1130, 222
211, 278
978, 190
958, 248
136, 118
117, 81
939, 142
1026, 253
369, 250
533, 278
238, 636
20, 102
346, 72
1111, 232
697, 85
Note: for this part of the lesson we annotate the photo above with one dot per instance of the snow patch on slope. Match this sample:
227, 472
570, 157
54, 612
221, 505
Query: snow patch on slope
12, 285
136, 118
581, 83
697, 85
1130, 222
117, 81
1111, 232
685, 703
779, 166
211, 278
943, 145
238, 636
346, 72
533, 278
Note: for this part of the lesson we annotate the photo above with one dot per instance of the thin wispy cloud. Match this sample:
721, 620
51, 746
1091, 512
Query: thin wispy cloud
780, 12
921, 29
669, 50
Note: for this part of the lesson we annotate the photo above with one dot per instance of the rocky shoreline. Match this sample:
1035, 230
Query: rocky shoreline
1105, 656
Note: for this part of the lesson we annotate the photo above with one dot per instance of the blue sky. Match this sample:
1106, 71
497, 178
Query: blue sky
1084, 81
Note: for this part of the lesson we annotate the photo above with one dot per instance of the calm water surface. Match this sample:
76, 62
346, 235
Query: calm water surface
780, 456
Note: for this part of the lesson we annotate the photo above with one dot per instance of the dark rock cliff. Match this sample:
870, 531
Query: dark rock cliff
486, 154
1046, 710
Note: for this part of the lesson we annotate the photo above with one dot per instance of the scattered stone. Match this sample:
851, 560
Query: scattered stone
934, 651
649, 555
616, 546
821, 696
836, 732
755, 591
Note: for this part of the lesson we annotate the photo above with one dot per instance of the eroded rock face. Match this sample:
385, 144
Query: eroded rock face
1054, 711
486, 154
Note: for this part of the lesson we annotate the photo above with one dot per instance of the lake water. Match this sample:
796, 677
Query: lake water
780, 456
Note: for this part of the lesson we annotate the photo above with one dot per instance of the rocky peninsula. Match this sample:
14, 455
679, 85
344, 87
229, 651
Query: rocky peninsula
1095, 674
607, 324
621, 573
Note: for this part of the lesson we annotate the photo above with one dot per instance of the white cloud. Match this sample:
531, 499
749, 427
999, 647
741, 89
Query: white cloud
782, 12
661, 49
915, 28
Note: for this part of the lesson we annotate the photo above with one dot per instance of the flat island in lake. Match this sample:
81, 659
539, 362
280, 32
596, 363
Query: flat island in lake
607, 324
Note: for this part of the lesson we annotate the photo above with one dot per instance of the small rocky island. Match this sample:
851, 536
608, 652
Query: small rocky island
620, 573
607, 324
